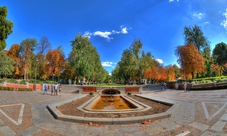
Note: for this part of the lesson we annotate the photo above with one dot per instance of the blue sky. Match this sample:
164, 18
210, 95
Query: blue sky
112, 25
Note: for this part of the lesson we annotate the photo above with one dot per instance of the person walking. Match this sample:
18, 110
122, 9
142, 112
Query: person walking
162, 86
185, 87
52, 89
56, 89
165, 86
45, 88
60, 90
188, 86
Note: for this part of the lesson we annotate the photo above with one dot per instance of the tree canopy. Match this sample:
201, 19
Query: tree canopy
27, 48
220, 53
220, 56
14, 54
195, 36
6, 65
55, 63
85, 60
5, 27
190, 60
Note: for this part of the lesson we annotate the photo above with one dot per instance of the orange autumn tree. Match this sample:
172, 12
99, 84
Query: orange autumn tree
56, 63
69, 72
14, 53
218, 69
151, 73
171, 76
162, 76
190, 59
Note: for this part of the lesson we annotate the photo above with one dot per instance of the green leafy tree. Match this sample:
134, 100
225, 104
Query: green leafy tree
220, 55
85, 60
176, 71
136, 50
27, 48
116, 78
5, 27
208, 62
128, 65
133, 63
6, 65
43, 47
195, 36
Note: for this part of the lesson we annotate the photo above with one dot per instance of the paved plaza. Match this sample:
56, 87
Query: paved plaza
200, 113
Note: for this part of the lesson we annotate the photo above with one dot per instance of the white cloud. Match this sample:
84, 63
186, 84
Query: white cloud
107, 64
115, 32
87, 34
159, 60
107, 34
173, 1
198, 15
224, 22
205, 23
124, 30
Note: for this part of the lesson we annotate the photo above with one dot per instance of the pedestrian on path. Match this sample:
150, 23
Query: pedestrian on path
185, 87
60, 90
52, 89
45, 88
188, 87
164, 87
56, 89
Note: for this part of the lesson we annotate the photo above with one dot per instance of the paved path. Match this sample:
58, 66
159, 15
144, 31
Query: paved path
201, 113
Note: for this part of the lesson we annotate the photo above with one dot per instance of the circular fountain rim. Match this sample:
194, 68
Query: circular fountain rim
110, 121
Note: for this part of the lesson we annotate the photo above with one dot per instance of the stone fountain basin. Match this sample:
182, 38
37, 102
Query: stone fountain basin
109, 121
87, 106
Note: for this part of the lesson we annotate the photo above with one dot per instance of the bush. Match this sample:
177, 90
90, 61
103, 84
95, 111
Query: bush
29, 89
129, 93
12, 81
36, 81
2, 80
210, 87
22, 82
22, 89
208, 81
91, 93
6, 88
11, 89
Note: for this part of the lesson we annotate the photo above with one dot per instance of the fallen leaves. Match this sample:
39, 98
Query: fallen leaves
146, 122
92, 124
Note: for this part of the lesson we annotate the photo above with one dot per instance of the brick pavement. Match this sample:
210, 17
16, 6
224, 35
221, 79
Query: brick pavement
200, 113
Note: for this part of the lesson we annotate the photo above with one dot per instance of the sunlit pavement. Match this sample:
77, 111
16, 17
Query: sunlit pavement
200, 113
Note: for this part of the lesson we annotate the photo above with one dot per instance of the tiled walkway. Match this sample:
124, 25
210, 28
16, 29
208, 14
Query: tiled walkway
200, 113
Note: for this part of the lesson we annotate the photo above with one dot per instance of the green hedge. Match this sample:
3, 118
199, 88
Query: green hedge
24, 89
210, 87
11, 89
24, 81
6, 88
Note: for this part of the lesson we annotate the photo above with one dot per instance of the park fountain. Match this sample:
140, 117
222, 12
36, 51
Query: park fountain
109, 101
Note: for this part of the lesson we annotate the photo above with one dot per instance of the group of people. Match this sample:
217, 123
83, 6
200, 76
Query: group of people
164, 86
187, 87
54, 88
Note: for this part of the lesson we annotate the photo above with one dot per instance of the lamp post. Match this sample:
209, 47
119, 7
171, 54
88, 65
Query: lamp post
35, 74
